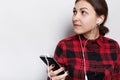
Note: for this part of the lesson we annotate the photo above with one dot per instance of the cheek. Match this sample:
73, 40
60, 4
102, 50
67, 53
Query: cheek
72, 19
89, 23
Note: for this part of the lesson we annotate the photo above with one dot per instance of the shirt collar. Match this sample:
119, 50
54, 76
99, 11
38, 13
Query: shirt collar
99, 40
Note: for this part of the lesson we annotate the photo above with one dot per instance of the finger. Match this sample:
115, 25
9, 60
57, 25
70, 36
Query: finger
54, 73
51, 73
49, 68
60, 77
59, 70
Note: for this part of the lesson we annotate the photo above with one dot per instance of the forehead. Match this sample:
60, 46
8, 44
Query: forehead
84, 4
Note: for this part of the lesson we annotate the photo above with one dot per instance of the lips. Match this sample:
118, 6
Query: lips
77, 25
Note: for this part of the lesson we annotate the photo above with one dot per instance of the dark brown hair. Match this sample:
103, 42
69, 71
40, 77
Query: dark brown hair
101, 8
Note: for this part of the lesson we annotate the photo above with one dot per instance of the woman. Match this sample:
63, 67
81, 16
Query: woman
88, 55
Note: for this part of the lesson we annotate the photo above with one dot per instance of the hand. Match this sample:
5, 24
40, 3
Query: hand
53, 74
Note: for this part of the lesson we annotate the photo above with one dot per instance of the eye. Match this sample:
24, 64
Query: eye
74, 12
84, 12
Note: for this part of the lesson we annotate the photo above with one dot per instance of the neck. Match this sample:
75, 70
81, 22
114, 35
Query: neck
93, 34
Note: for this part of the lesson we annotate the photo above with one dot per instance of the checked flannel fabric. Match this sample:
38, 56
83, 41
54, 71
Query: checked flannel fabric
102, 58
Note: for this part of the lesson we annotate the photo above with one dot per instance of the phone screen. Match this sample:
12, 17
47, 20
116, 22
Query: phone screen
51, 61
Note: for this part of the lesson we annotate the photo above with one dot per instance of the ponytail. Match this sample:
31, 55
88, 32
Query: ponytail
103, 30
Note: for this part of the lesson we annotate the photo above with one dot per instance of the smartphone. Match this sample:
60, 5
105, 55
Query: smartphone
51, 61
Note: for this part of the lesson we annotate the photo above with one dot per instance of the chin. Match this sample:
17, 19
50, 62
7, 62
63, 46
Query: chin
77, 32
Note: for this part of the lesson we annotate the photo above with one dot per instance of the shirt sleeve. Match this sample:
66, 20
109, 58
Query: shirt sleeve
116, 74
59, 55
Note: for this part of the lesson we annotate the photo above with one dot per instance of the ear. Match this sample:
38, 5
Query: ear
100, 19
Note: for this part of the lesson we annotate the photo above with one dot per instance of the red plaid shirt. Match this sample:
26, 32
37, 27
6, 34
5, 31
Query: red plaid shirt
102, 58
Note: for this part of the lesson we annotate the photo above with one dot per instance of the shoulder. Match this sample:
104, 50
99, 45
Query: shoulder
109, 41
68, 39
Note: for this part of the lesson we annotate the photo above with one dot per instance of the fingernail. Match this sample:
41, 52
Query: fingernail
67, 72
62, 68
53, 65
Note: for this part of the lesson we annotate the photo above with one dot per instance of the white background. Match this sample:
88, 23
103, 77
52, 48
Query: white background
30, 28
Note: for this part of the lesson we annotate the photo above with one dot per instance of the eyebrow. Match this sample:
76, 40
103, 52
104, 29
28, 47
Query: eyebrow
81, 8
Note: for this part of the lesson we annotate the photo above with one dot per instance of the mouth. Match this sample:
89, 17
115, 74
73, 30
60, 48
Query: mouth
77, 25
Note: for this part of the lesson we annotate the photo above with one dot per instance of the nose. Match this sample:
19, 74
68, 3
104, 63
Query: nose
76, 17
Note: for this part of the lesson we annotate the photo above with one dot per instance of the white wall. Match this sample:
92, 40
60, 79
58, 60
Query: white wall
113, 22
29, 28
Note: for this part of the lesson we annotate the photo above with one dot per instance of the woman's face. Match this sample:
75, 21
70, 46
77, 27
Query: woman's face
84, 17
